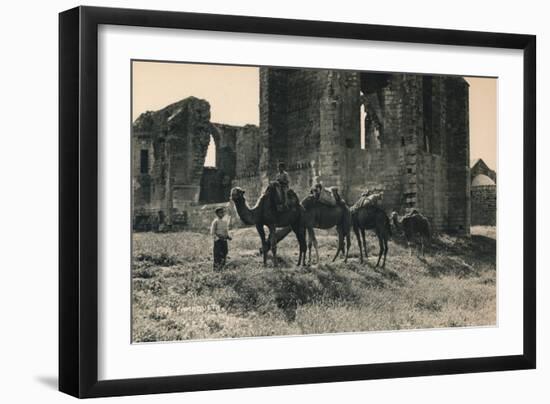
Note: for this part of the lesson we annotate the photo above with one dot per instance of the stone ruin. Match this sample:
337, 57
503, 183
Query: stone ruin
404, 134
483, 194
169, 149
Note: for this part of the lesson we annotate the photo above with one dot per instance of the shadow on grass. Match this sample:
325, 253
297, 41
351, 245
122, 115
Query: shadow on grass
483, 244
455, 267
389, 274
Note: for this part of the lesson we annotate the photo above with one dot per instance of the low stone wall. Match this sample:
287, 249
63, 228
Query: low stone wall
192, 217
155, 220
484, 205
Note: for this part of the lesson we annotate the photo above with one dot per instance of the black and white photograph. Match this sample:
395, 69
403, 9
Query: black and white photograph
270, 201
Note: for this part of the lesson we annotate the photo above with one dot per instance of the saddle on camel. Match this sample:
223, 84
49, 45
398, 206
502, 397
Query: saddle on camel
368, 199
326, 195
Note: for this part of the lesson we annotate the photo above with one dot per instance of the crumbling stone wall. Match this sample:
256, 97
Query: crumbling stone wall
416, 144
248, 162
389, 161
484, 205
307, 121
416, 137
216, 181
176, 138
169, 150
211, 188
458, 154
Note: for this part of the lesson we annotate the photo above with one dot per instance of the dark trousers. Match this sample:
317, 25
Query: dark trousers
220, 253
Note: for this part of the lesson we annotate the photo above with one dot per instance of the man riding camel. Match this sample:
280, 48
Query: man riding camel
283, 179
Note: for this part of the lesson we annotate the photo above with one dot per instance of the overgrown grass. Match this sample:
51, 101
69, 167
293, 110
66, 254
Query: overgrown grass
177, 296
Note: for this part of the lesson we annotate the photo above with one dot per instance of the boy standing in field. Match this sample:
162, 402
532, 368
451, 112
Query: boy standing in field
220, 234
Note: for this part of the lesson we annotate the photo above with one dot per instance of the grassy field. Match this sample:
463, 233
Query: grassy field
177, 296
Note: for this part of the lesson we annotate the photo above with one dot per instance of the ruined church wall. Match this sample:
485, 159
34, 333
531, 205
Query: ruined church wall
458, 155
302, 116
443, 186
176, 138
433, 199
432, 162
377, 171
311, 120
142, 185
248, 147
484, 205
339, 129
290, 124
391, 167
273, 123
225, 138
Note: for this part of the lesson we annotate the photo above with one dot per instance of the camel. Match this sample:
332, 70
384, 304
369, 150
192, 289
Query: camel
321, 216
265, 213
413, 225
371, 218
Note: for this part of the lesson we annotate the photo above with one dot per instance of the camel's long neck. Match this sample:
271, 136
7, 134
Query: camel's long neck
247, 215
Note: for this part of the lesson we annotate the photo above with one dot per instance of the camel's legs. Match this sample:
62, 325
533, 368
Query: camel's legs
381, 244
348, 242
340, 246
385, 250
309, 245
273, 242
279, 235
301, 237
303, 246
313, 241
261, 232
364, 243
316, 246
358, 237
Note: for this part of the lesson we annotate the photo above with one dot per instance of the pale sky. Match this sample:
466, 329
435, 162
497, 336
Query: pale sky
234, 93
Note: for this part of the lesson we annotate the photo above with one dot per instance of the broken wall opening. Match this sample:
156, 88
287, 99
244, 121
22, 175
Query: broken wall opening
372, 109
210, 158
219, 167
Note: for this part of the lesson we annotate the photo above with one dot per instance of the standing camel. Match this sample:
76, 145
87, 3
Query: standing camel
413, 225
371, 218
321, 216
265, 214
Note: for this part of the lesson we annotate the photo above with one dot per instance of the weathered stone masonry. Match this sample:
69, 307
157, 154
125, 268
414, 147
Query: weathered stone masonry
484, 194
416, 138
416, 143
484, 205
169, 148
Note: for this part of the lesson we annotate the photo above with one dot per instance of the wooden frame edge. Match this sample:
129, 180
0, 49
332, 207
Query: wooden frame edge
78, 205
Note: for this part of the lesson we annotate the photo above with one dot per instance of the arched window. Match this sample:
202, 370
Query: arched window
210, 159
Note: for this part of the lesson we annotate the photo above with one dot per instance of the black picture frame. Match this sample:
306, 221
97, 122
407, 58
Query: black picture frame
78, 201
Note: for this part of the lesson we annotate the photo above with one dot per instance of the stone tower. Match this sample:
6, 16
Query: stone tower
411, 141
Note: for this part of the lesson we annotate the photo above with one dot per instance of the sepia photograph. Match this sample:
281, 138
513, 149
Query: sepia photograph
284, 201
